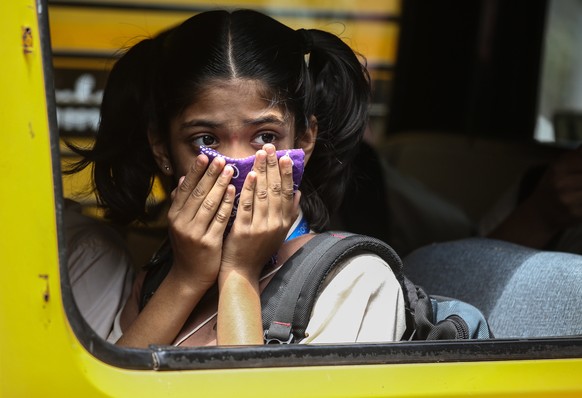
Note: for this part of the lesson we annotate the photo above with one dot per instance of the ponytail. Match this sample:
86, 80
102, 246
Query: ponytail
123, 166
341, 91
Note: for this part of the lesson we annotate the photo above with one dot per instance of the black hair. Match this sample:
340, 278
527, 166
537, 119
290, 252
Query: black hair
123, 166
308, 72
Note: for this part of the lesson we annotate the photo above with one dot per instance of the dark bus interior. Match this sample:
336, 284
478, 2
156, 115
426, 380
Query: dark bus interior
469, 108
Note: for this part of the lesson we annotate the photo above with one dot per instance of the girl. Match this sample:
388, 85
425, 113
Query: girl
244, 85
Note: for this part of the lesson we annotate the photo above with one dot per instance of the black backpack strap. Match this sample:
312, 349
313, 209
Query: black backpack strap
288, 299
156, 271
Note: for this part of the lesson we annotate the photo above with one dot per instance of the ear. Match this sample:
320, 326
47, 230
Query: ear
160, 152
307, 140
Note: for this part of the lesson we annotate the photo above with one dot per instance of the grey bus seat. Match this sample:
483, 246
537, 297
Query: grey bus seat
523, 292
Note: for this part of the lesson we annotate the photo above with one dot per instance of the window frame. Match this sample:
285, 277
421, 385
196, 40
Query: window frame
166, 358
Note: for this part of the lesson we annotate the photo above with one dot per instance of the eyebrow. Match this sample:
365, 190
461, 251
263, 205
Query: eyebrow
199, 123
264, 120
270, 119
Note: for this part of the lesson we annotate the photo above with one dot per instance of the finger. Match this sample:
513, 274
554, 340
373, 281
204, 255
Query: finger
220, 220
174, 191
296, 203
189, 181
273, 180
244, 212
212, 202
287, 194
261, 193
196, 195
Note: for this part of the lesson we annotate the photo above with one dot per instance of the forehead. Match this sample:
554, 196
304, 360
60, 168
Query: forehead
236, 98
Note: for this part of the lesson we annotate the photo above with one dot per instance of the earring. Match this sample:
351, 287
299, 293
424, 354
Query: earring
167, 167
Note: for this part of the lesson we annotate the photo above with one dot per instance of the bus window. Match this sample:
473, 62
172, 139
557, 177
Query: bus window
47, 346
86, 40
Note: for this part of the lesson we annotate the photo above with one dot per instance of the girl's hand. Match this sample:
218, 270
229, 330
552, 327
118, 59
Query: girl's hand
201, 206
267, 209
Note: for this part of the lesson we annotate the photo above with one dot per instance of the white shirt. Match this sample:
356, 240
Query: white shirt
361, 302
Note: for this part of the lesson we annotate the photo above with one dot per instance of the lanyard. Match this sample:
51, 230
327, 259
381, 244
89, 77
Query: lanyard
301, 229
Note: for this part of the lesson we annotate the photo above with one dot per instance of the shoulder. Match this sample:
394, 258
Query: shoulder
367, 270
93, 246
361, 301
88, 234
363, 275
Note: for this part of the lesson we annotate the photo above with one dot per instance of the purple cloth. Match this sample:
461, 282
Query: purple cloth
243, 166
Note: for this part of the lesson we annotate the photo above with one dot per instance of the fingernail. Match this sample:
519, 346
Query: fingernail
261, 153
227, 170
270, 149
219, 160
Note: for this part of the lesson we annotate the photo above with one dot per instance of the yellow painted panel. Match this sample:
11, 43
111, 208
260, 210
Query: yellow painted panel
39, 353
83, 63
365, 6
31, 312
109, 31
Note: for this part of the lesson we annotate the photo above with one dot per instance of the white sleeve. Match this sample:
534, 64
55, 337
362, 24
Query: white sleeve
361, 302
116, 331
100, 270
101, 283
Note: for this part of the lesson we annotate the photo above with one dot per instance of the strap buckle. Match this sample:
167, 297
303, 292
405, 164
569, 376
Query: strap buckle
279, 333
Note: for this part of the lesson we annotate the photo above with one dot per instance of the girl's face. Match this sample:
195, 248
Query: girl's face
235, 119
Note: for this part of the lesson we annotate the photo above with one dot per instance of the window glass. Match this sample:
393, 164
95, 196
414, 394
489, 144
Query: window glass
560, 105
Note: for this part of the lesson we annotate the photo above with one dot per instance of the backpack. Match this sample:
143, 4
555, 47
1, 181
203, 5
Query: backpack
288, 299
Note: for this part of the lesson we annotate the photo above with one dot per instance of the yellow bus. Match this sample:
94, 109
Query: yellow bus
48, 350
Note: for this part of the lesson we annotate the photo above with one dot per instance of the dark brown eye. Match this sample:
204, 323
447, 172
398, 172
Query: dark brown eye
206, 140
266, 138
